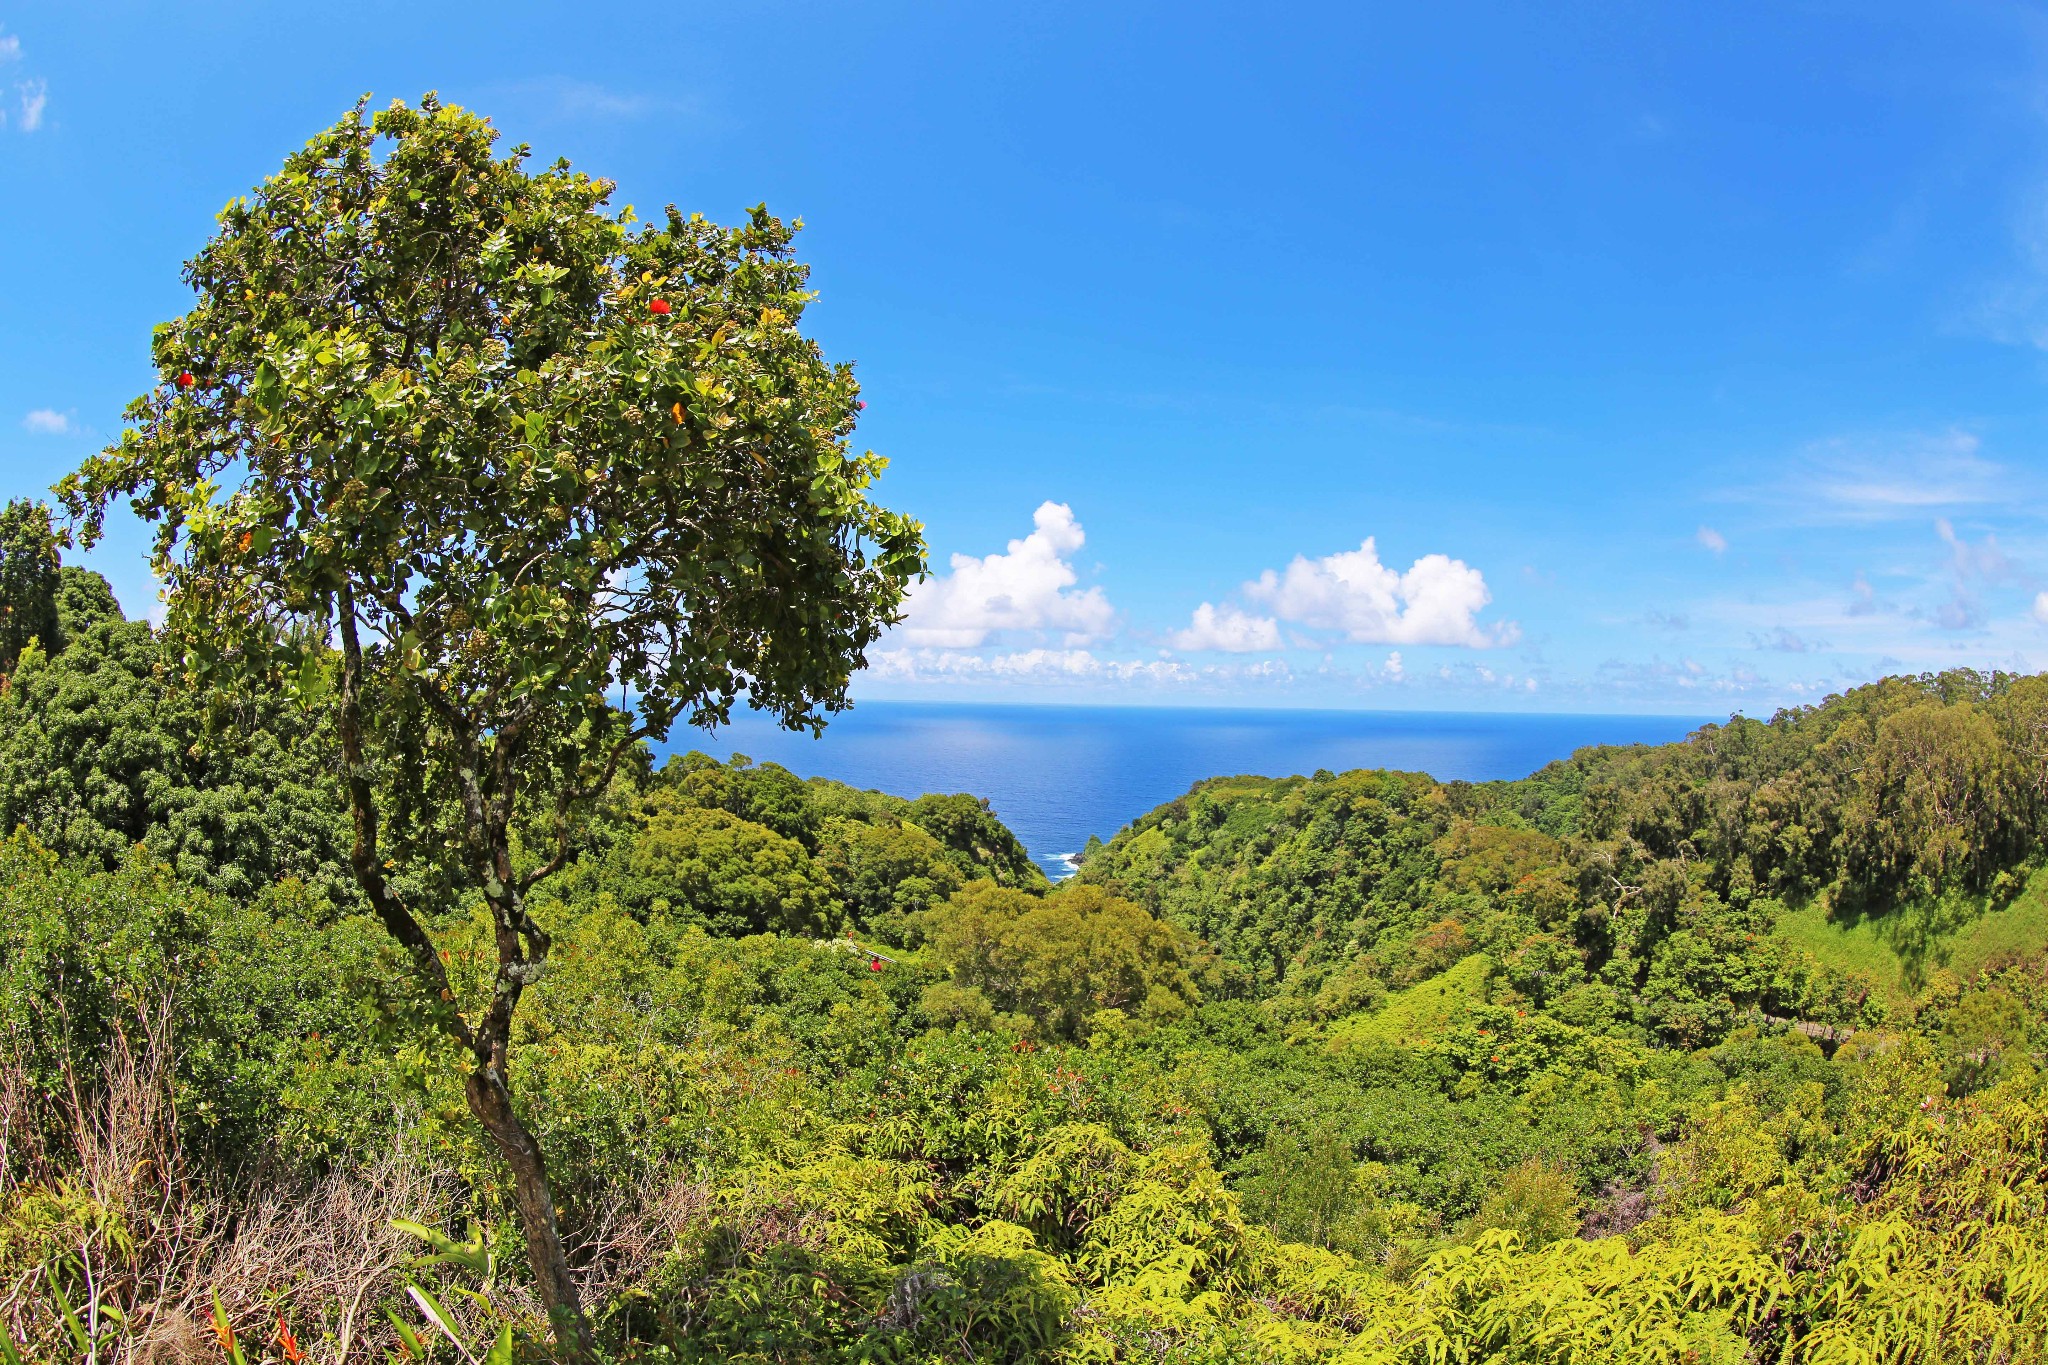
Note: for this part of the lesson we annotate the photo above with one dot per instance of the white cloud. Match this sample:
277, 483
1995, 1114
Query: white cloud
1712, 539
48, 422
1028, 587
1433, 603
586, 99
1983, 560
1658, 677
1228, 628
2014, 309
32, 96
1891, 477
1786, 642
2041, 608
1027, 665
1393, 666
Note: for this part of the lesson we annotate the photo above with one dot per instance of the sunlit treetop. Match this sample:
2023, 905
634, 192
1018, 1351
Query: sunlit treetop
537, 449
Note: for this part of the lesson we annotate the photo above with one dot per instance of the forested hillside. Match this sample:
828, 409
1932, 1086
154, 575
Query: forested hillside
1635, 884
1727, 1050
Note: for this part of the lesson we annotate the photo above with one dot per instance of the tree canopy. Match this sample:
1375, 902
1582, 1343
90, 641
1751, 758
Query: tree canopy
28, 580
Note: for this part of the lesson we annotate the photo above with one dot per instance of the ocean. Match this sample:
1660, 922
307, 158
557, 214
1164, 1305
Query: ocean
1057, 774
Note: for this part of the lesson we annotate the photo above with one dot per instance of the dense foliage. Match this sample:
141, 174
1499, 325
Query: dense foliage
1729, 1050
100, 752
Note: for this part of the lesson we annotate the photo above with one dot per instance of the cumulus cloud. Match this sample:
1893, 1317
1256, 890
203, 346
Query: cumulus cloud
48, 422
1228, 628
1393, 666
1067, 668
10, 48
1433, 603
1030, 586
1658, 676
2041, 608
1712, 539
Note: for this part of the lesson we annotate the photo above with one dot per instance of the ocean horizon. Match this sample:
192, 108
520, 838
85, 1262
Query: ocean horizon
1058, 774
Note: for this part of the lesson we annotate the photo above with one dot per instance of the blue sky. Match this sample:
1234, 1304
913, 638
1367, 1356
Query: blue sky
1597, 357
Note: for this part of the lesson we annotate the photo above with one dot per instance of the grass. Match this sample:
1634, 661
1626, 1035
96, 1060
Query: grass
1422, 1011
1855, 946
2021, 927
1896, 951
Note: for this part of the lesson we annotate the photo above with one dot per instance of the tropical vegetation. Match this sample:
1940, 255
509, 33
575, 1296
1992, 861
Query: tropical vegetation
380, 980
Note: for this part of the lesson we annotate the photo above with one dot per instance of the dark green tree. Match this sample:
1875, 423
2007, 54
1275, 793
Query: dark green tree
731, 875
101, 750
982, 845
28, 580
515, 456
885, 871
767, 794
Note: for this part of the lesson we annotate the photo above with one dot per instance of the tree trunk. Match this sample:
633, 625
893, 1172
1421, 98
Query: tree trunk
491, 1102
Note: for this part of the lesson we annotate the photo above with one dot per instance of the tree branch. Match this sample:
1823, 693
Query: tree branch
363, 858
569, 797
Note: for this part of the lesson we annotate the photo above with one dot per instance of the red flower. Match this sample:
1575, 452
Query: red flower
659, 307
287, 1344
860, 404
874, 964
185, 380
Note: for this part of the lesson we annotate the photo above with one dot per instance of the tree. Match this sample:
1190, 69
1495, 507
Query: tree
1057, 961
768, 794
732, 875
982, 845
101, 752
512, 453
885, 871
28, 580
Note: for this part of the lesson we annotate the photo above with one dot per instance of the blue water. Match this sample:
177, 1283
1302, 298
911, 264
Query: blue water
1057, 774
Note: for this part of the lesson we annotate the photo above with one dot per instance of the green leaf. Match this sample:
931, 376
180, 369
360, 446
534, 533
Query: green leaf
71, 1322
226, 1330
407, 1335
438, 1316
